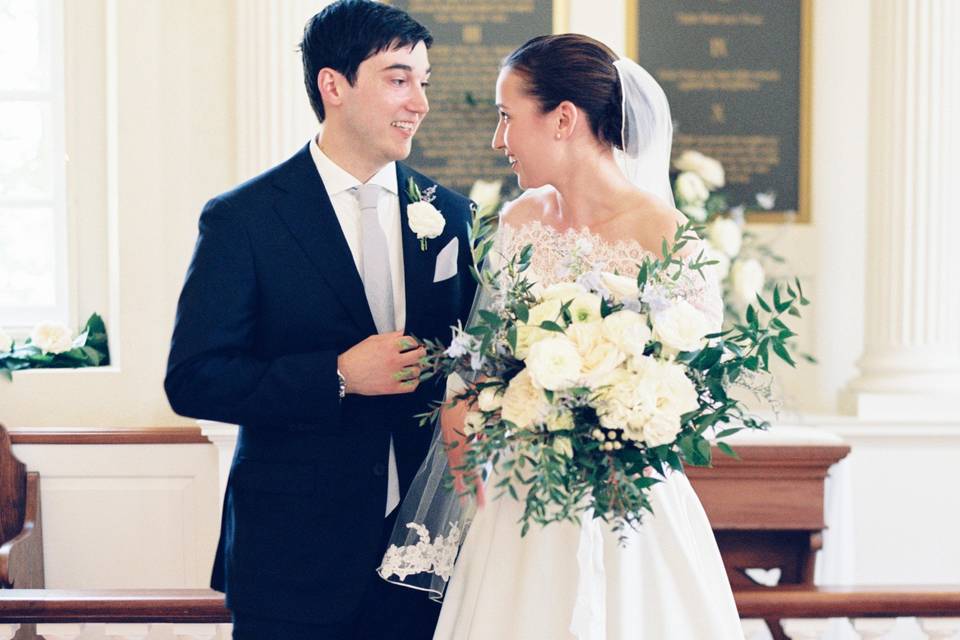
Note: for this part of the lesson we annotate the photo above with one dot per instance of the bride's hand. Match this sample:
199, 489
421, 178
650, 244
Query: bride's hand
451, 424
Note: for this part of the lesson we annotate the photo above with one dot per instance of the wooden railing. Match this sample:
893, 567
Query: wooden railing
802, 612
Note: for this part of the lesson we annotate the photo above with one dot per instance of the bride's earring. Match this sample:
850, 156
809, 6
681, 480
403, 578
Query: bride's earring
557, 136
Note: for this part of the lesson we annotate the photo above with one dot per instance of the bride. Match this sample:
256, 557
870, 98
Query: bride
589, 138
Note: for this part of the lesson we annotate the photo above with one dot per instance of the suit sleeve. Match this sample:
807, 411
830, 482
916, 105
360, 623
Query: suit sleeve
213, 371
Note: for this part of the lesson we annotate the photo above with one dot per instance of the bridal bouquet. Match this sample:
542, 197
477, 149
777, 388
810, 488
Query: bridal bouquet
583, 394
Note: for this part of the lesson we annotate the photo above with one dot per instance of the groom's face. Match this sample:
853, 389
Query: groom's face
388, 102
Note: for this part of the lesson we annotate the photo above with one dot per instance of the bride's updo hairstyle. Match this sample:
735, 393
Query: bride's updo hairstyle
577, 68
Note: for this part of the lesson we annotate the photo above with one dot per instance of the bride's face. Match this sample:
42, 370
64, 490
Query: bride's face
523, 134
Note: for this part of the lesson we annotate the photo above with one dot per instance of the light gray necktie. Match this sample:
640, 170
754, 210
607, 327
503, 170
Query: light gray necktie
375, 259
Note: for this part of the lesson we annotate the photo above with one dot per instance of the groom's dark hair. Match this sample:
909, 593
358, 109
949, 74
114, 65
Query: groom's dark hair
348, 32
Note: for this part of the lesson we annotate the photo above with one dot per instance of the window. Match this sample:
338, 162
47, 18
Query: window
33, 234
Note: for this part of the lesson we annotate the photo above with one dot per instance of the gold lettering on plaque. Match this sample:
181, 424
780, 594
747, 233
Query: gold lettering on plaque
472, 34
718, 48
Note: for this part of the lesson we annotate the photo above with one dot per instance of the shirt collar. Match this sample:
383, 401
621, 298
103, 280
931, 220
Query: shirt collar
337, 180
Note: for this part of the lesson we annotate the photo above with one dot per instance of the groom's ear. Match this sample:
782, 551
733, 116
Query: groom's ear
331, 84
567, 116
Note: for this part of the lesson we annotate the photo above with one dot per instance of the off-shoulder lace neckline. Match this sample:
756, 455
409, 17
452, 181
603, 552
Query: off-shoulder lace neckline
571, 233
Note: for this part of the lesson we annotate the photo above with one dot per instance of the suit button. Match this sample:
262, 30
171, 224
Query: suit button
379, 469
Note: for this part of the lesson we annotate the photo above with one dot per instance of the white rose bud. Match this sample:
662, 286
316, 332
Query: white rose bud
554, 364
486, 193
52, 338
681, 327
490, 399
691, 189
746, 279
6, 342
725, 235
564, 446
473, 423
710, 170
424, 220
621, 287
661, 429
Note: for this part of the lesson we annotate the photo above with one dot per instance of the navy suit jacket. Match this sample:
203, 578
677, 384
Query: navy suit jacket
272, 297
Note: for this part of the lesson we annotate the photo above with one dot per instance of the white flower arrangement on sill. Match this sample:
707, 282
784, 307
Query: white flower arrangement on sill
54, 346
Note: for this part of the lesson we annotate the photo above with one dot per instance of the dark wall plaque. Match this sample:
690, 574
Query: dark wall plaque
471, 37
735, 72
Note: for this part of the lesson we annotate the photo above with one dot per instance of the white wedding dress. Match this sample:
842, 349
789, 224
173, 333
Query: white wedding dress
567, 581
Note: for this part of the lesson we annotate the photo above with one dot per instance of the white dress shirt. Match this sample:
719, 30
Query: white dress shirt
339, 184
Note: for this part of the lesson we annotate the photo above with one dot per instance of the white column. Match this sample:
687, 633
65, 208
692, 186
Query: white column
911, 362
274, 117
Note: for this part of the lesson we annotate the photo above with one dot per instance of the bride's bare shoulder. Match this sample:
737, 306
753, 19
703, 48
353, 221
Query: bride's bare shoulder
532, 205
650, 222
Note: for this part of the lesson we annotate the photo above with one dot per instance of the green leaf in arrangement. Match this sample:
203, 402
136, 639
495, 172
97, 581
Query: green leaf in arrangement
549, 325
763, 304
522, 312
783, 353
727, 449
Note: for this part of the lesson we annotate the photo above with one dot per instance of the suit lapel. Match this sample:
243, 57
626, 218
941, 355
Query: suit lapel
306, 209
417, 265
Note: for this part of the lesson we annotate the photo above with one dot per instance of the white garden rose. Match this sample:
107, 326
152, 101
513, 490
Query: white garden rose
586, 307
6, 342
490, 399
486, 193
746, 279
725, 235
620, 287
628, 330
554, 363
424, 220
681, 327
564, 446
52, 338
695, 212
529, 332
691, 189
662, 428
523, 404
676, 393
473, 423
563, 292
710, 170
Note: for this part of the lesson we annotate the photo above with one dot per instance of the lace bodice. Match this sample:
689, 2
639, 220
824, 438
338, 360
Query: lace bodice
562, 255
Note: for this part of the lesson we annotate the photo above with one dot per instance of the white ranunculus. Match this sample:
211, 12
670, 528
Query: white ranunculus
691, 189
681, 327
628, 330
722, 267
490, 399
6, 342
621, 287
710, 170
694, 212
473, 423
563, 292
486, 193
564, 446
662, 428
725, 235
746, 279
554, 363
585, 308
523, 404
560, 420
52, 338
424, 220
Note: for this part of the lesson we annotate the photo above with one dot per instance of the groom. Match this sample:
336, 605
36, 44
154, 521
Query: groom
299, 321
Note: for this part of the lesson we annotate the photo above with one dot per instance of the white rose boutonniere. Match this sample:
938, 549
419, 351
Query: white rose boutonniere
424, 219
52, 338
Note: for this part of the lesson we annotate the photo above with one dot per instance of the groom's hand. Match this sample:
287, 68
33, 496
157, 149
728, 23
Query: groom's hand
383, 364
